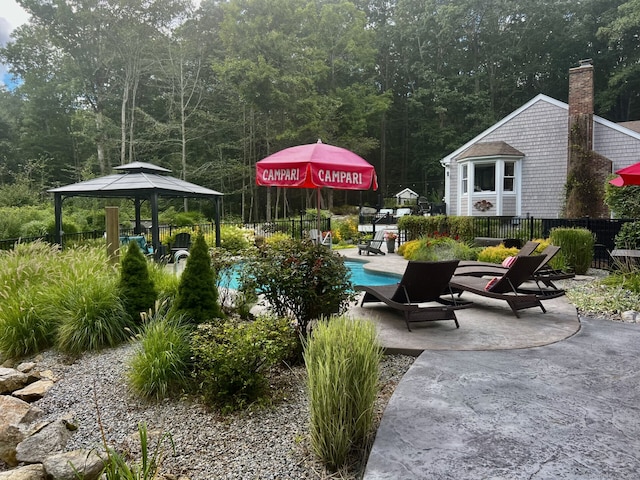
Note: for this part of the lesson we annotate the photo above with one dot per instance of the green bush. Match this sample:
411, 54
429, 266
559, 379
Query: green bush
624, 202
34, 228
160, 368
234, 239
300, 279
458, 228
629, 236
230, 359
12, 219
342, 360
136, 287
576, 248
197, 295
345, 230
165, 281
496, 254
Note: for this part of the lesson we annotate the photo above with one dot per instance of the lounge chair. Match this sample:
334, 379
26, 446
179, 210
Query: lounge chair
544, 274
508, 286
527, 249
373, 246
316, 237
422, 282
182, 241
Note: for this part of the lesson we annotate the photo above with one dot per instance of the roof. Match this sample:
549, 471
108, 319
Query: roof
635, 125
490, 149
406, 191
139, 179
538, 98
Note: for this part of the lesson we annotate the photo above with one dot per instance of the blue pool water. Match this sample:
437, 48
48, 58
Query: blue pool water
359, 276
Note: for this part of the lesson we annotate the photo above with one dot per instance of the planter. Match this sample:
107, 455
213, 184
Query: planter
391, 246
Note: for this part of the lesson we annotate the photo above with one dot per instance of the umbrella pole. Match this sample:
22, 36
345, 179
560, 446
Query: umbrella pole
318, 208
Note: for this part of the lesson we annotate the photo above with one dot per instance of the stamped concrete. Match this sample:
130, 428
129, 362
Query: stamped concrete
545, 396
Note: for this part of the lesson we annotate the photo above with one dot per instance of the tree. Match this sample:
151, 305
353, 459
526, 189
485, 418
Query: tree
197, 295
136, 287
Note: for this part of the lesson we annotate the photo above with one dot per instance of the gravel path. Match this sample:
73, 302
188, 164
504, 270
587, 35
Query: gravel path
265, 443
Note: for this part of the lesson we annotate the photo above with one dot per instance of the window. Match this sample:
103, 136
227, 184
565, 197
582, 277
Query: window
509, 176
485, 177
464, 176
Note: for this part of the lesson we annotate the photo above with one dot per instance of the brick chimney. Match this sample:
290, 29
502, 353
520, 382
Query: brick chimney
581, 101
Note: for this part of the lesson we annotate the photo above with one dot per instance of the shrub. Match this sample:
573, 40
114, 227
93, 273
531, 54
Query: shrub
90, 313
342, 360
496, 254
576, 247
300, 279
165, 281
345, 230
459, 228
136, 287
629, 236
230, 359
160, 368
197, 295
234, 239
34, 228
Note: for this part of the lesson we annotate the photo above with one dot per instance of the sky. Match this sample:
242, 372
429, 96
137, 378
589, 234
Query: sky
11, 17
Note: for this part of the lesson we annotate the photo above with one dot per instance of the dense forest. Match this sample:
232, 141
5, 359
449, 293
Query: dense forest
208, 89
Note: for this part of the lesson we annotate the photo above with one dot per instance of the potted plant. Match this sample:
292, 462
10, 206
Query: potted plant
390, 238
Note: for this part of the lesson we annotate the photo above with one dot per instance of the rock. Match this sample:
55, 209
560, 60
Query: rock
35, 391
15, 421
86, 463
48, 441
11, 379
30, 472
26, 367
48, 375
630, 316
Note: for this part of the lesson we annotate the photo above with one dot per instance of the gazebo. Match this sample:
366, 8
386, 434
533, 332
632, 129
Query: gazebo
140, 181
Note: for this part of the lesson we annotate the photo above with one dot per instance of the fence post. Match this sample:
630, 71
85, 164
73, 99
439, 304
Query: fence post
530, 227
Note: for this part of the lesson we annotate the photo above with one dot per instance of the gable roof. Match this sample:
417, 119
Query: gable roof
490, 149
538, 98
406, 190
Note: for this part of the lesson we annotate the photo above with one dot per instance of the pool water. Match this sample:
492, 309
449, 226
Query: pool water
359, 276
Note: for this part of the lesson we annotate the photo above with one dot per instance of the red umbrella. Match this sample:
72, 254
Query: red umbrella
627, 176
316, 165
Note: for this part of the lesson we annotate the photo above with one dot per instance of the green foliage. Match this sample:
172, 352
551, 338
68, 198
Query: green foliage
629, 236
90, 313
234, 239
34, 228
346, 229
165, 281
342, 360
13, 219
118, 468
576, 248
437, 248
460, 228
161, 366
137, 291
300, 279
197, 296
624, 202
231, 359
171, 216
18, 194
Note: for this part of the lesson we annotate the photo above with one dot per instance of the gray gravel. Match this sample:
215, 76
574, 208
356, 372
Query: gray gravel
266, 443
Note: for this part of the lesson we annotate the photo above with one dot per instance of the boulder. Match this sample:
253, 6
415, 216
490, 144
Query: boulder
16, 417
11, 379
50, 440
67, 466
34, 391
30, 472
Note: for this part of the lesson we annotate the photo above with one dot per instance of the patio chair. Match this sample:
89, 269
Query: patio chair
316, 237
373, 246
182, 241
421, 283
508, 286
544, 274
527, 249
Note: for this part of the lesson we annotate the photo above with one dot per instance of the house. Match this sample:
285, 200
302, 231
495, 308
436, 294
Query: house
518, 167
406, 197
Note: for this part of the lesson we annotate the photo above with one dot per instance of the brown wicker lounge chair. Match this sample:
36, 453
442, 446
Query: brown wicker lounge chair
507, 287
527, 249
422, 283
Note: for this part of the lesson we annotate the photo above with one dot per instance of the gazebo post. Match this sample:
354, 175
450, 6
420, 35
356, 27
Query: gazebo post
57, 207
217, 220
155, 228
138, 227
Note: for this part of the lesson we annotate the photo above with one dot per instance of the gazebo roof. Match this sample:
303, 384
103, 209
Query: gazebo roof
138, 180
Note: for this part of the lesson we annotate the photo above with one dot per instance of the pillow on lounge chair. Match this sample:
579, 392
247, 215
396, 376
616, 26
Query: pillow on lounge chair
491, 283
507, 262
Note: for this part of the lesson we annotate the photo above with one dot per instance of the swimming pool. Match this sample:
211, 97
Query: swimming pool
359, 276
